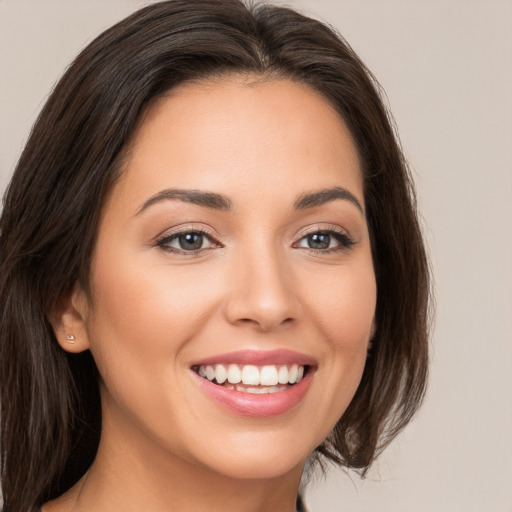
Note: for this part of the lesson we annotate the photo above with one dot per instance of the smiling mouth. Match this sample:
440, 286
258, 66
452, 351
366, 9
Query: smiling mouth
253, 379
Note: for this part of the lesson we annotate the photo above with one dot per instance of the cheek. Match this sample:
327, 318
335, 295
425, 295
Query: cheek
343, 314
143, 314
345, 307
143, 319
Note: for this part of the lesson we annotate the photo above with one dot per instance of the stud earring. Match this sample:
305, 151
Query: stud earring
70, 338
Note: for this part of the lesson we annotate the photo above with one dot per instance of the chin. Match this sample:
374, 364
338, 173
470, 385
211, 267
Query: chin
257, 455
261, 466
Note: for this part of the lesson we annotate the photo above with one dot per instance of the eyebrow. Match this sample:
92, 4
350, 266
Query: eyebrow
327, 195
206, 199
221, 202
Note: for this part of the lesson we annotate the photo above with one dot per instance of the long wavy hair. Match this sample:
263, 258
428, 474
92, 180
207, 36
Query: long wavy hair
49, 399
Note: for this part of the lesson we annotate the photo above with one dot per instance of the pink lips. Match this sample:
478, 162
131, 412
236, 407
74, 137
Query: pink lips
259, 358
258, 405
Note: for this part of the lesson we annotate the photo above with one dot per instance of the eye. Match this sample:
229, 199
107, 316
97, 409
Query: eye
325, 241
187, 242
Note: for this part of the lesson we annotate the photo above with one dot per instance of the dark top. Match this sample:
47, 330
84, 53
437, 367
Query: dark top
300, 504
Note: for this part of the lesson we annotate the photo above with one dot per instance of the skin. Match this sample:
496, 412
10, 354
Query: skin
257, 285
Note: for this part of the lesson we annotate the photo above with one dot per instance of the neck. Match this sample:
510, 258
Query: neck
182, 487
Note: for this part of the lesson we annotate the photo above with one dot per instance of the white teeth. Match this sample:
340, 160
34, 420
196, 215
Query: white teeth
268, 376
283, 375
210, 372
234, 374
293, 373
253, 391
251, 375
260, 390
221, 373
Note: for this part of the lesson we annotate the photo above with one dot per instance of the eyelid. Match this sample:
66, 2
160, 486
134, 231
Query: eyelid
318, 227
185, 228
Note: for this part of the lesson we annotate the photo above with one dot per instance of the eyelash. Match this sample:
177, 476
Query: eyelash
344, 240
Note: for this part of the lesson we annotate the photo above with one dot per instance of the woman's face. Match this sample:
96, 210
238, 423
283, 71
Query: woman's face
234, 245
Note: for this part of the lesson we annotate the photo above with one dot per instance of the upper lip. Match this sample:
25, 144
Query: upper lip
258, 358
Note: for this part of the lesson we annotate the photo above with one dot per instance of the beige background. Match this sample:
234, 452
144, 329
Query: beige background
447, 68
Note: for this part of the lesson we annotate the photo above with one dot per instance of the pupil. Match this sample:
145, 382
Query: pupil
319, 241
191, 241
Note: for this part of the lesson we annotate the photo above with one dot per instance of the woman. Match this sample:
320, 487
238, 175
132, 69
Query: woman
211, 269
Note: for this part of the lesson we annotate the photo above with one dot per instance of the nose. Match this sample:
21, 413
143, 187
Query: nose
262, 292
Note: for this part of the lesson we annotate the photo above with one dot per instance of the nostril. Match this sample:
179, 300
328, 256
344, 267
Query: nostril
266, 323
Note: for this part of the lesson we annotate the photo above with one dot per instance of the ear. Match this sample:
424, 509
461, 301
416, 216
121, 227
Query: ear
69, 321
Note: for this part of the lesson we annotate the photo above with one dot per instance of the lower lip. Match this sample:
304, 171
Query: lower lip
257, 406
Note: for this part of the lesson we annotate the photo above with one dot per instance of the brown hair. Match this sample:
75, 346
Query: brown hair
49, 404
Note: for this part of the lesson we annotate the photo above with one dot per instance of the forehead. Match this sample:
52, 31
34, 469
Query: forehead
242, 136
